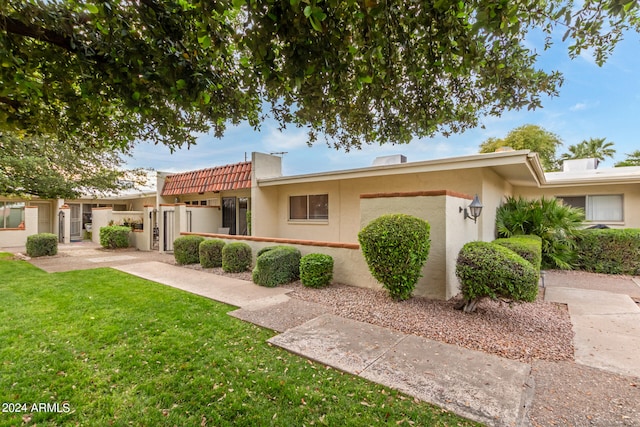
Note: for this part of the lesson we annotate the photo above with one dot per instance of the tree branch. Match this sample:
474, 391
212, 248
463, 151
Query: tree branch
17, 27
10, 102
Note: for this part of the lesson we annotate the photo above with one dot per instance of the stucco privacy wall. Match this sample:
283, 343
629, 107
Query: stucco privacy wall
349, 266
449, 232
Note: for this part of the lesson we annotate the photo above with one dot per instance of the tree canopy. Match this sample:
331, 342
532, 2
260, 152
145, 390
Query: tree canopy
633, 159
596, 148
43, 167
528, 137
365, 71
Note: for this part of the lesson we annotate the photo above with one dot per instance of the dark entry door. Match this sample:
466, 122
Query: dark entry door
229, 214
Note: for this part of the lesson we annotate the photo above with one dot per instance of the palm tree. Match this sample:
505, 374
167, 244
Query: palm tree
593, 148
633, 159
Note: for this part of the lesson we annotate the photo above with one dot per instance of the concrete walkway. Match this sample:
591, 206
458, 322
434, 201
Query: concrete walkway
480, 386
606, 327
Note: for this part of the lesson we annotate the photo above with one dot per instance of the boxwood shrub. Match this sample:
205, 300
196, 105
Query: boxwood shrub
610, 251
186, 249
236, 257
396, 247
114, 236
43, 244
489, 270
316, 270
528, 247
280, 264
210, 251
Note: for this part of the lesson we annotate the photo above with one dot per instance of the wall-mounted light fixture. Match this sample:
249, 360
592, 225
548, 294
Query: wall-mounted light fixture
475, 209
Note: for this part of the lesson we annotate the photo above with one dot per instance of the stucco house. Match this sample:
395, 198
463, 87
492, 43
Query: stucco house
324, 212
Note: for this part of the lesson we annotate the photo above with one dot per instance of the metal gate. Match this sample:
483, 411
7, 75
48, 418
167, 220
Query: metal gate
169, 227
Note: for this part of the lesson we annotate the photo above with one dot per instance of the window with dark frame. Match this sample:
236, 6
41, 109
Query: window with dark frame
600, 207
314, 207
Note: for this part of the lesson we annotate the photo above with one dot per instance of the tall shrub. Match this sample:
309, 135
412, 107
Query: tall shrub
527, 246
114, 236
489, 270
236, 257
277, 266
43, 244
556, 224
396, 247
316, 270
186, 249
613, 251
210, 251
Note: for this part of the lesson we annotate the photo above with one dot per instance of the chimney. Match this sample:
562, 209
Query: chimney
394, 159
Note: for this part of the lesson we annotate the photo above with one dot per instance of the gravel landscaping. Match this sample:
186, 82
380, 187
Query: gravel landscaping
524, 332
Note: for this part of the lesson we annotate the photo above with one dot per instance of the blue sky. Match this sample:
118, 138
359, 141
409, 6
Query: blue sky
594, 102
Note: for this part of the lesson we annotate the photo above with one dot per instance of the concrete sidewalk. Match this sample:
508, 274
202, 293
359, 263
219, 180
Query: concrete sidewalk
606, 327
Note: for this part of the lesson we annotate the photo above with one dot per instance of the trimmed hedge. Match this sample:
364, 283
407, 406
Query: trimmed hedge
186, 249
528, 247
610, 251
279, 265
114, 236
210, 252
396, 247
316, 270
491, 270
236, 257
43, 244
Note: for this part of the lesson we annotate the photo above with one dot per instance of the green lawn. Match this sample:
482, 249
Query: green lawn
111, 349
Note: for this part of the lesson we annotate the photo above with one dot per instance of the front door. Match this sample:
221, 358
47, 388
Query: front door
229, 214
76, 222
44, 217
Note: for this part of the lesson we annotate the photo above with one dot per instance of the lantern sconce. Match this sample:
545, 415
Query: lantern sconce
474, 209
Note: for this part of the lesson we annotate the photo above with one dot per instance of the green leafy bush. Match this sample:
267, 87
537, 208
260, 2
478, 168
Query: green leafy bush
555, 223
114, 236
210, 251
280, 264
612, 251
43, 244
491, 270
186, 249
265, 249
527, 246
236, 257
316, 270
396, 247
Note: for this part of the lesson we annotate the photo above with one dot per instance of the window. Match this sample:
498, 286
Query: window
311, 207
605, 207
11, 214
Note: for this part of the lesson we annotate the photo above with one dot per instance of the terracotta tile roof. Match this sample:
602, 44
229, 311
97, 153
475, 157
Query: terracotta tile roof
221, 178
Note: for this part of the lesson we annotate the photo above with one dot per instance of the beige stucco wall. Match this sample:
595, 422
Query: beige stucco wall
449, 231
631, 198
205, 219
494, 191
271, 203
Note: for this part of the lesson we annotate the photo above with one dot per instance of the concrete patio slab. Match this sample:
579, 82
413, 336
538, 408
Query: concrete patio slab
476, 385
112, 258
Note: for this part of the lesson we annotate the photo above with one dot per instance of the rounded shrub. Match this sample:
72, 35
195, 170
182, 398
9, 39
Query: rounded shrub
43, 244
489, 270
280, 264
210, 252
236, 257
186, 249
527, 246
316, 270
114, 236
396, 247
